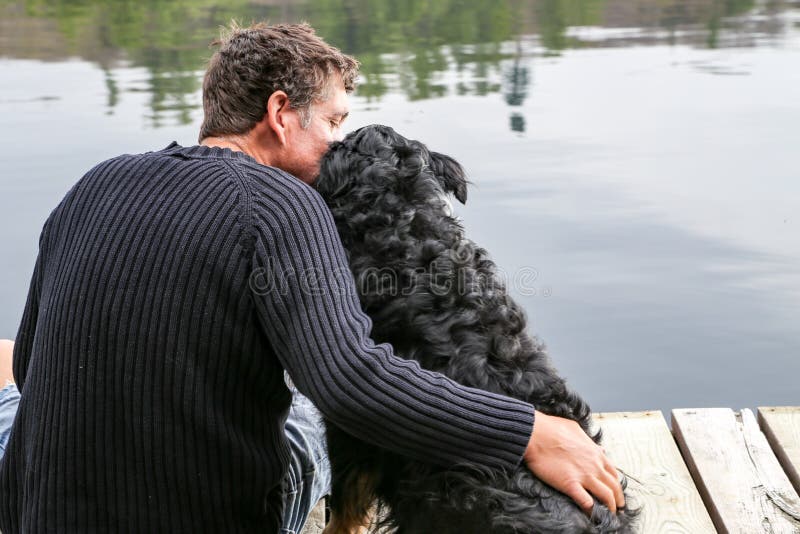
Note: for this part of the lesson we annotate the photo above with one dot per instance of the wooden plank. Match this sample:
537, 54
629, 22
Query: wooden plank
641, 445
781, 425
739, 478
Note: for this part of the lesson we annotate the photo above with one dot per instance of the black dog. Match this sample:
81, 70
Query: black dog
444, 305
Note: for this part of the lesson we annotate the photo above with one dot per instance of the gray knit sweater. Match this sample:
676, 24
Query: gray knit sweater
170, 292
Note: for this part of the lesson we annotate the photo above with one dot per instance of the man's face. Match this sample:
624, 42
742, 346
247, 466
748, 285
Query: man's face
307, 145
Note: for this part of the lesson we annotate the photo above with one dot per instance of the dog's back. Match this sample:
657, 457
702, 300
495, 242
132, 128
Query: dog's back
437, 298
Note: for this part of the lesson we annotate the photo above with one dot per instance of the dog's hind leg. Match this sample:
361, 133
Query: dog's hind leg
335, 526
352, 505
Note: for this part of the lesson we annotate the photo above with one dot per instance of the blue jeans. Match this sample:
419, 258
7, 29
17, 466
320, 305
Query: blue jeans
9, 400
309, 476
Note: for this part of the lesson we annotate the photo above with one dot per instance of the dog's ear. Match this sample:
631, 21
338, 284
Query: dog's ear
450, 174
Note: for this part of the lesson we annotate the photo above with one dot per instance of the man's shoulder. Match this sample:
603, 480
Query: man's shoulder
139, 169
133, 163
114, 162
163, 177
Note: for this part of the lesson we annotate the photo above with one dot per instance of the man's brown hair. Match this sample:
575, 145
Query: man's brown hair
254, 62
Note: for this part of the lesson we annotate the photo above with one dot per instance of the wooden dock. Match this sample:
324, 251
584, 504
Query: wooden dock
715, 470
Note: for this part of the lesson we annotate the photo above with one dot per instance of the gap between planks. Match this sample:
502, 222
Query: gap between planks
781, 426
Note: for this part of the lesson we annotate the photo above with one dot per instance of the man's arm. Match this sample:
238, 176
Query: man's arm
308, 305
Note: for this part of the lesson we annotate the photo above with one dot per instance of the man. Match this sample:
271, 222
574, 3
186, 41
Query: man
171, 291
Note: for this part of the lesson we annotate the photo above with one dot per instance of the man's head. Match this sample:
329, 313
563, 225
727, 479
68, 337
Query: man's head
281, 87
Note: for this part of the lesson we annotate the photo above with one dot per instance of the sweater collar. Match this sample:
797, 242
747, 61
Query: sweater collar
202, 151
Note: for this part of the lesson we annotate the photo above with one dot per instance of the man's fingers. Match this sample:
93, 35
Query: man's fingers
609, 465
581, 497
616, 485
599, 488
611, 482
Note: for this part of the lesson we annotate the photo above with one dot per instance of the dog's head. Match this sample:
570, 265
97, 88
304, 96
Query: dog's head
377, 161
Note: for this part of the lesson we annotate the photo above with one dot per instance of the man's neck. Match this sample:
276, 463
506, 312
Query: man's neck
239, 143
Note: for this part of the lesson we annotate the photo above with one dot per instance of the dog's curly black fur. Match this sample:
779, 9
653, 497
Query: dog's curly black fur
444, 305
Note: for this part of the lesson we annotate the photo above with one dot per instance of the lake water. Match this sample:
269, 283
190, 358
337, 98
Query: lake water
636, 165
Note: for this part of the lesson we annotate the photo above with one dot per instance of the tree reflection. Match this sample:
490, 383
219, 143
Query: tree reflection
421, 48
516, 89
720, 10
167, 38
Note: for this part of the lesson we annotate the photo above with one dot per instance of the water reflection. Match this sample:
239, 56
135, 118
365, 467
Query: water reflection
516, 89
415, 47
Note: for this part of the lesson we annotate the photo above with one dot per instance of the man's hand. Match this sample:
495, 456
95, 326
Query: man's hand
563, 456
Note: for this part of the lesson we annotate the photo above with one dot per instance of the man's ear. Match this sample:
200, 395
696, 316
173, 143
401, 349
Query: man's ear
277, 114
450, 174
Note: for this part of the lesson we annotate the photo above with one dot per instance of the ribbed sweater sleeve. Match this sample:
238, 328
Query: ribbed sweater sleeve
307, 303
27, 329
